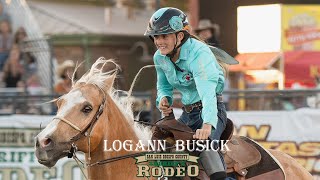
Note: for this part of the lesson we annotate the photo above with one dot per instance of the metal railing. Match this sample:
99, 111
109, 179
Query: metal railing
265, 100
19, 102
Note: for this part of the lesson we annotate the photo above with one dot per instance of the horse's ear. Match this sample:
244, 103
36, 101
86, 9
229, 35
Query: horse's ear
110, 81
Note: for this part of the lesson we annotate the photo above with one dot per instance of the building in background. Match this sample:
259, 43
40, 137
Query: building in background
283, 46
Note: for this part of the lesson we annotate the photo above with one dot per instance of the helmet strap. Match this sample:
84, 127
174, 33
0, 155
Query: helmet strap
175, 49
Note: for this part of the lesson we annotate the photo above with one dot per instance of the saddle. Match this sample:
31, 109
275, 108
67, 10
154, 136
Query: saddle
246, 158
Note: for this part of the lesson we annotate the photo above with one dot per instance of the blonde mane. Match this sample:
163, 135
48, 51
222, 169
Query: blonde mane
98, 76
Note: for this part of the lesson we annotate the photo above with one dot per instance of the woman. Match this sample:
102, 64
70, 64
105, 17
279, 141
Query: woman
188, 65
13, 71
20, 35
29, 60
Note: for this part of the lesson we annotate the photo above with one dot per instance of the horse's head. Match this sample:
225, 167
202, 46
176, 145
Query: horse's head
86, 103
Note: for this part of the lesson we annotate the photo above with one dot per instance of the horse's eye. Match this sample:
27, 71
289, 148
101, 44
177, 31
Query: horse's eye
87, 109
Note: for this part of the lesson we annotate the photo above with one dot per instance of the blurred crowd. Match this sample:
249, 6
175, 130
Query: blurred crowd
18, 69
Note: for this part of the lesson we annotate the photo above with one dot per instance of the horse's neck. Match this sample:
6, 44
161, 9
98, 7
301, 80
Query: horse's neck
117, 128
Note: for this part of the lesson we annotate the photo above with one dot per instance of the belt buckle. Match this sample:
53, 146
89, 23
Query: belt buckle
188, 109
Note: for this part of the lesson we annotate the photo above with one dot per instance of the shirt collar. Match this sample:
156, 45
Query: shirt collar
184, 51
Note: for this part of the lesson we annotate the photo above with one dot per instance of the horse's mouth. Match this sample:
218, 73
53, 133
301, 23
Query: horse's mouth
47, 163
49, 158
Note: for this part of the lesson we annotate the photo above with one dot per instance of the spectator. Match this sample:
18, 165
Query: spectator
30, 65
13, 70
29, 61
34, 85
20, 35
6, 40
3, 15
208, 32
65, 72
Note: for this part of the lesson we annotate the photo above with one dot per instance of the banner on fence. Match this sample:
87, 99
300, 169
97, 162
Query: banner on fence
296, 133
17, 156
293, 132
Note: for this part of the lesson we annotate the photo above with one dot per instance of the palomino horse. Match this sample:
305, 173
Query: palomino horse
92, 113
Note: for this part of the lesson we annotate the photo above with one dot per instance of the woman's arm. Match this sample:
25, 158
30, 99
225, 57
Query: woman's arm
206, 76
164, 88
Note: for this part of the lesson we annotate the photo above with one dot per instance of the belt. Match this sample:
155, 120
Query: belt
219, 98
198, 105
190, 107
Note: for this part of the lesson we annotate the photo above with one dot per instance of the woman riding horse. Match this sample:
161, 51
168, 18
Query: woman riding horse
92, 113
185, 63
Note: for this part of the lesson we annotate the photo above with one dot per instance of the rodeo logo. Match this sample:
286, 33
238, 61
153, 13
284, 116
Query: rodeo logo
167, 165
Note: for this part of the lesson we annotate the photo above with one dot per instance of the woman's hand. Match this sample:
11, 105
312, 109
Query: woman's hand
203, 133
165, 107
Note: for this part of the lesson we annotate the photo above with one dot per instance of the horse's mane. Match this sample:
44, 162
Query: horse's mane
97, 76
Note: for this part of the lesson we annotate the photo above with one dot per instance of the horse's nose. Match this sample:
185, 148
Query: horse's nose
44, 143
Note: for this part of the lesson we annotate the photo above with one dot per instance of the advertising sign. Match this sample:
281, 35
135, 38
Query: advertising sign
300, 27
293, 132
17, 158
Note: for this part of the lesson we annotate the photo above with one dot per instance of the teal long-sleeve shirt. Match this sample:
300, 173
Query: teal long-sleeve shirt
202, 78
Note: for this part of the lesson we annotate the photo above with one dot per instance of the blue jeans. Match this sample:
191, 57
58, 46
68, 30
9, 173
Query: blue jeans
195, 121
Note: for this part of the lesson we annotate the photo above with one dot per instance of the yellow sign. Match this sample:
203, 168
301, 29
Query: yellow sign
300, 27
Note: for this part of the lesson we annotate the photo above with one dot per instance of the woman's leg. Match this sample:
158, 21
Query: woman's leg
215, 166
212, 161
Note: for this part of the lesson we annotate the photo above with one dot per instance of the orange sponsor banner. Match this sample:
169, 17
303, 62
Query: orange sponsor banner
297, 37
